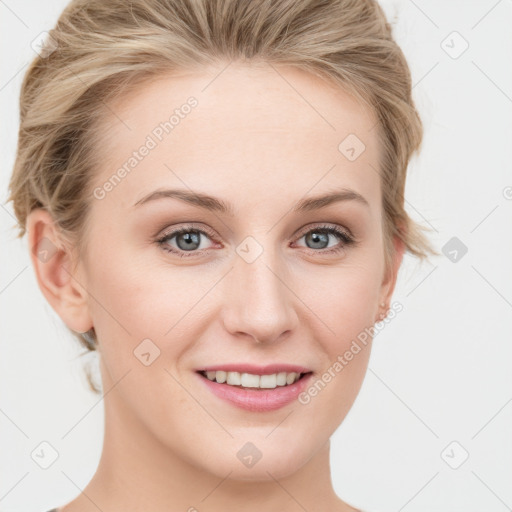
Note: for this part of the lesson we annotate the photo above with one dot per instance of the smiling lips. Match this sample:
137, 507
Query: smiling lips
256, 388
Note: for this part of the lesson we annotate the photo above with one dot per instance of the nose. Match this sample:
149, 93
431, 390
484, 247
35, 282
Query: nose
259, 301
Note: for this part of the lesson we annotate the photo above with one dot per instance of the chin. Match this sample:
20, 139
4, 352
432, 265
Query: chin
254, 462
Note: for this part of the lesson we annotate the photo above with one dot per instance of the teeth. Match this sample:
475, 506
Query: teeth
268, 381
291, 377
249, 380
234, 379
281, 379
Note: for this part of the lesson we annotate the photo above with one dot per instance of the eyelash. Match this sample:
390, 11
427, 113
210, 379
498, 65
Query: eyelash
342, 235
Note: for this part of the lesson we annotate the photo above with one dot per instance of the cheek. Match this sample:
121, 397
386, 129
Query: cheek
343, 337
129, 287
343, 299
343, 304
140, 298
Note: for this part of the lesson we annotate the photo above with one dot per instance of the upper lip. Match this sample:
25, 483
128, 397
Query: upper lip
268, 369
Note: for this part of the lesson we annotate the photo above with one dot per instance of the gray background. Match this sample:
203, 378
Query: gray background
439, 373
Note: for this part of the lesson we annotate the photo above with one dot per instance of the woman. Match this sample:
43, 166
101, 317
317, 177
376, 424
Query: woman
213, 195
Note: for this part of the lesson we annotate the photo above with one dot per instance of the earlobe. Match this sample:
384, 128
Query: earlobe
52, 260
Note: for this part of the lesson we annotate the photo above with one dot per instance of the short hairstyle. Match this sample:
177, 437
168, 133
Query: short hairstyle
99, 50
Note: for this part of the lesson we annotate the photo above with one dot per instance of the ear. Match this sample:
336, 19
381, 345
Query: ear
56, 271
390, 277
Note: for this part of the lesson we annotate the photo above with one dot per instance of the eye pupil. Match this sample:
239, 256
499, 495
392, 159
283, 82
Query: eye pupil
317, 237
191, 238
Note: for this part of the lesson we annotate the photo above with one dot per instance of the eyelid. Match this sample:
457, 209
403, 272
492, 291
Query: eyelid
185, 226
325, 225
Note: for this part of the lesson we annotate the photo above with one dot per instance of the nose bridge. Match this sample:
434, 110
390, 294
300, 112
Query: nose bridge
259, 303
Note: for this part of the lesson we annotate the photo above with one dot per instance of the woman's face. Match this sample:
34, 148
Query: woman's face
258, 282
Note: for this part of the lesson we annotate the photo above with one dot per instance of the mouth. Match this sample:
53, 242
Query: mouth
253, 381
258, 390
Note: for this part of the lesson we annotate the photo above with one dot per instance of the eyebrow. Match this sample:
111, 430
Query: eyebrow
218, 205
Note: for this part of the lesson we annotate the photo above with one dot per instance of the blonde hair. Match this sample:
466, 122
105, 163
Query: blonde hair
100, 50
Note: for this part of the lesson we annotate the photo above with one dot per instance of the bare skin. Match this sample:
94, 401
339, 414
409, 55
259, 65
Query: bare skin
254, 142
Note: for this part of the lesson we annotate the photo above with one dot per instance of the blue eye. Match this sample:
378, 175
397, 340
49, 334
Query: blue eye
188, 240
320, 236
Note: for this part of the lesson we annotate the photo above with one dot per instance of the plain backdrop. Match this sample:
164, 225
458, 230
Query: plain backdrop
431, 427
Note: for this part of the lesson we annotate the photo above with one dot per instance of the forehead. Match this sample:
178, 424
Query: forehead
258, 128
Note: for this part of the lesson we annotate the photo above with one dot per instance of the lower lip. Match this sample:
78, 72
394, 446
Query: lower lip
259, 400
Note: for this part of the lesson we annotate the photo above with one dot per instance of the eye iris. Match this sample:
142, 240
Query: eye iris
317, 237
190, 238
